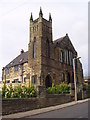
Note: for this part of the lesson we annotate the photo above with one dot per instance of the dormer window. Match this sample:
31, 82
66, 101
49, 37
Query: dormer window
20, 60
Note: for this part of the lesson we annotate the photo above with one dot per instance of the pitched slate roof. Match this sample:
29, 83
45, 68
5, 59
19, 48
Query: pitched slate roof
58, 41
22, 58
64, 42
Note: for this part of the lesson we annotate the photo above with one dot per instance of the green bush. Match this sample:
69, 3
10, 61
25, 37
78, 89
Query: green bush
18, 91
31, 92
88, 87
9, 91
51, 90
24, 92
15, 93
64, 88
61, 88
4, 90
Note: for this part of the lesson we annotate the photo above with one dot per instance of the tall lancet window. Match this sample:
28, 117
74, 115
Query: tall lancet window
47, 49
34, 48
61, 56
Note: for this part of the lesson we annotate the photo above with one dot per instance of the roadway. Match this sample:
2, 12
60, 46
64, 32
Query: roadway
79, 110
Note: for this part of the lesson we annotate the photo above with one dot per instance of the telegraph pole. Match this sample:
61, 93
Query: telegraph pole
75, 84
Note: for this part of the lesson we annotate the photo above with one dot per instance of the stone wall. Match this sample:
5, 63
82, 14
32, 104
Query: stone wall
18, 105
86, 94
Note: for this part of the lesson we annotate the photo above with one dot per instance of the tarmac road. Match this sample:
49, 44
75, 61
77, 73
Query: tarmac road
79, 110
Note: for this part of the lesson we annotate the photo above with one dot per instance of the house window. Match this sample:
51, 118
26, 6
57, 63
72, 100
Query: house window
34, 48
7, 71
16, 68
61, 56
63, 77
25, 80
47, 49
8, 81
16, 81
34, 79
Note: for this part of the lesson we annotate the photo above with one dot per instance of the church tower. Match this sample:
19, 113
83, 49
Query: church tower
38, 47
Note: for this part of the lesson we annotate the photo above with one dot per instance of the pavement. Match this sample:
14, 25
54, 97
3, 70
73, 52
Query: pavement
43, 110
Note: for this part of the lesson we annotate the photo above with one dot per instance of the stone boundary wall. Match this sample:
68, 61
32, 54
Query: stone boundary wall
19, 105
86, 94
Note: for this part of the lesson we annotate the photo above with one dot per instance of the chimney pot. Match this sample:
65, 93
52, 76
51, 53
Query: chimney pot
22, 51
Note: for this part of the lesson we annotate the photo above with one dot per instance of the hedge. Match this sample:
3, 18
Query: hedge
58, 89
18, 91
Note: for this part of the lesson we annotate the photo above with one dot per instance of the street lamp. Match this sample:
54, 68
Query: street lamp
75, 77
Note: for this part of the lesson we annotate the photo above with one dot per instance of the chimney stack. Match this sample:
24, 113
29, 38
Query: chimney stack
22, 51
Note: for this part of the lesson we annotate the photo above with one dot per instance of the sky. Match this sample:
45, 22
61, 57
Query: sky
68, 16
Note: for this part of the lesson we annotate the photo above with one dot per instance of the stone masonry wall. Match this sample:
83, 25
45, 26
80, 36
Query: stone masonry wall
18, 105
20, 74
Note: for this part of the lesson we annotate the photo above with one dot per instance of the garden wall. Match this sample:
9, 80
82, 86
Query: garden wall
86, 94
18, 105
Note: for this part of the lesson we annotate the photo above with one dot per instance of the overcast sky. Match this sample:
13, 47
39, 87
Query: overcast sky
68, 16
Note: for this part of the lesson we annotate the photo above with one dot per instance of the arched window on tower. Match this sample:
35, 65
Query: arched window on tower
34, 48
63, 77
47, 49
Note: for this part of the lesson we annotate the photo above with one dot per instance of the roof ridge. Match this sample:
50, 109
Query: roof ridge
61, 38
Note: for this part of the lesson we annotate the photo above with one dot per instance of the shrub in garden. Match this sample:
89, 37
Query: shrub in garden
88, 86
57, 89
31, 92
51, 90
64, 88
9, 91
18, 91
4, 90
24, 91
61, 88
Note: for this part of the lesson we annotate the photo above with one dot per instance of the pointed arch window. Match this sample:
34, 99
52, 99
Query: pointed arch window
71, 58
61, 56
47, 49
63, 77
34, 48
66, 56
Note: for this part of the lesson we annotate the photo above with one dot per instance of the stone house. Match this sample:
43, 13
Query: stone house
47, 61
